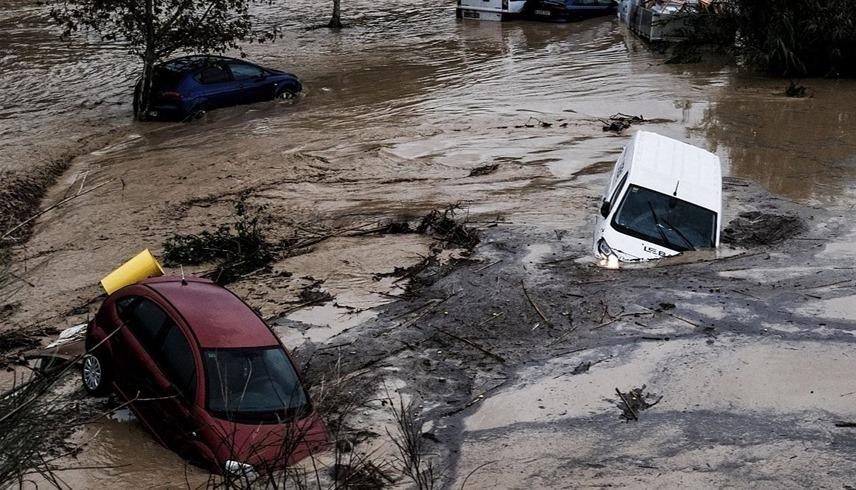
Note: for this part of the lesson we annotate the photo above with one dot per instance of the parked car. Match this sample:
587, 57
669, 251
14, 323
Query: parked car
191, 85
544, 10
567, 10
203, 373
497, 10
664, 198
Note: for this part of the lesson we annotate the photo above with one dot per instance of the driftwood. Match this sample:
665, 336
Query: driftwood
535, 306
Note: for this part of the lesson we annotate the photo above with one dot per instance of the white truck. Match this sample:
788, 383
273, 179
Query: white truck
664, 197
497, 10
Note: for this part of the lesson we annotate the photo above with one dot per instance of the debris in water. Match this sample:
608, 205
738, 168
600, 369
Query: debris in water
794, 90
581, 368
847, 425
236, 248
528, 123
484, 170
634, 401
449, 227
619, 122
71, 334
754, 228
666, 307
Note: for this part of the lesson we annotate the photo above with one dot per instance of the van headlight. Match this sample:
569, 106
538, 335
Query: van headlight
604, 249
244, 470
610, 259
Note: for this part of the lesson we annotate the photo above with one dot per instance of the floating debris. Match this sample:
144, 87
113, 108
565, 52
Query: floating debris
484, 170
796, 91
754, 228
581, 368
619, 122
635, 401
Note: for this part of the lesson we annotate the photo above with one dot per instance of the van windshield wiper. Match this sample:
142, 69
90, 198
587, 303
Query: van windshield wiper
658, 226
680, 234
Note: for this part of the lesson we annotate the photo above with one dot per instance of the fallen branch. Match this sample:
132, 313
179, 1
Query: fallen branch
537, 310
563, 336
473, 345
488, 266
627, 404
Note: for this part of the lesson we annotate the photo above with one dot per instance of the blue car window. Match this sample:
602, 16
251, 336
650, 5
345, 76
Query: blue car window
212, 74
243, 71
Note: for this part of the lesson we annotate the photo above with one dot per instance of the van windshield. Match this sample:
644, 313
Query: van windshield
665, 220
252, 385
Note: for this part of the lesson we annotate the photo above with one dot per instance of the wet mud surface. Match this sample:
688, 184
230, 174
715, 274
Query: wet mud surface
410, 111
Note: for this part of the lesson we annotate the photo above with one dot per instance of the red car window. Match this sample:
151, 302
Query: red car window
162, 339
175, 357
145, 319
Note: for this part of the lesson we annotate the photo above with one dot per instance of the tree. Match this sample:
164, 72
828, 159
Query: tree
156, 29
335, 20
783, 37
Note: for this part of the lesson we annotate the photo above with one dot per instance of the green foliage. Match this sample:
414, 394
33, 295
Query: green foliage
237, 248
156, 29
162, 27
784, 37
806, 37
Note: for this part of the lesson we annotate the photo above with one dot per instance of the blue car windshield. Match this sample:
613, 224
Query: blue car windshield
252, 385
665, 220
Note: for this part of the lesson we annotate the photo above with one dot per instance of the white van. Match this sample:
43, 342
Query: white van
490, 9
664, 198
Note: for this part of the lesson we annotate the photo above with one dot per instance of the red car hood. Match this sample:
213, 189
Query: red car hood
267, 446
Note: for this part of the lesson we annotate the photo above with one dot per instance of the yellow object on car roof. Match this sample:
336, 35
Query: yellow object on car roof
143, 266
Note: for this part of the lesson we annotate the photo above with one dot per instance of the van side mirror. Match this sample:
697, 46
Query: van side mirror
605, 208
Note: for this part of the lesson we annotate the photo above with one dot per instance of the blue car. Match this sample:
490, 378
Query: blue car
189, 86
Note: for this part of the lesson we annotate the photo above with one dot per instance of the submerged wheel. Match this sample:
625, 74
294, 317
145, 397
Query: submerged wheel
285, 94
95, 375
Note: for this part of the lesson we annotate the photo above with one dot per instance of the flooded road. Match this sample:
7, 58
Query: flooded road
398, 109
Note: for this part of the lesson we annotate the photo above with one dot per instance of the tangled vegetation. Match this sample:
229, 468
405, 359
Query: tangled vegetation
243, 245
36, 418
783, 37
237, 248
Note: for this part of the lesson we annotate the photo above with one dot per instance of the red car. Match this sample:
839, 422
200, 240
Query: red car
204, 374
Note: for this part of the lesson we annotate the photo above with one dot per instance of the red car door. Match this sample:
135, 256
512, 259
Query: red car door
142, 322
155, 369
176, 372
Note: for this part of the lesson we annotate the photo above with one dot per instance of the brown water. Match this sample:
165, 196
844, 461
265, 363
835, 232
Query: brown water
398, 109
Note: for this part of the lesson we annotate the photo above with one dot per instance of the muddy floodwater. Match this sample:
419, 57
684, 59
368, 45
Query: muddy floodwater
398, 109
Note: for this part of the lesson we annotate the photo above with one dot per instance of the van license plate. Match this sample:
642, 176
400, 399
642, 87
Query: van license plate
545, 13
469, 14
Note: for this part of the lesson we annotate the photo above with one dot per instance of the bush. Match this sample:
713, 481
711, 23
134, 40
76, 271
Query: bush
236, 248
784, 37
806, 37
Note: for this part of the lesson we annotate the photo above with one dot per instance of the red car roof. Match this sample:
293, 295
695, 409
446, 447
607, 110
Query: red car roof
217, 317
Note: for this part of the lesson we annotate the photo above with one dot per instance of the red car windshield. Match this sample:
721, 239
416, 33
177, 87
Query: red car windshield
253, 385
